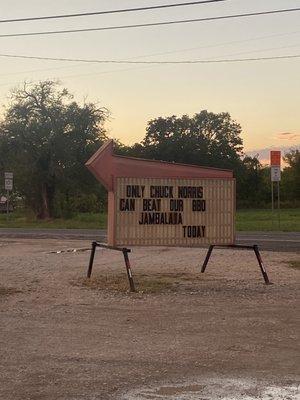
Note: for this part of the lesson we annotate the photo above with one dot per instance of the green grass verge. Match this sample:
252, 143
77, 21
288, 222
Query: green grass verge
264, 220
247, 220
79, 221
294, 264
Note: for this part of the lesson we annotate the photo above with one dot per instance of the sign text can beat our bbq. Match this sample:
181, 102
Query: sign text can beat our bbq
174, 212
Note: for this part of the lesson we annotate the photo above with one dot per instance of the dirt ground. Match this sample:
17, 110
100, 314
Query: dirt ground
184, 335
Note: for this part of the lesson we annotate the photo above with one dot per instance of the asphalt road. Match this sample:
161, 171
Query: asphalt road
272, 241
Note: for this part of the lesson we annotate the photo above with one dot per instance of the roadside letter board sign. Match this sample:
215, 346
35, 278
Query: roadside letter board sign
165, 204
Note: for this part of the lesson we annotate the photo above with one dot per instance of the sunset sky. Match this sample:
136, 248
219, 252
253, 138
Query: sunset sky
264, 97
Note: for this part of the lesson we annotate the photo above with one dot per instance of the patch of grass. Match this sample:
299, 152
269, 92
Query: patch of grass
246, 220
156, 283
294, 264
21, 219
116, 283
7, 291
264, 220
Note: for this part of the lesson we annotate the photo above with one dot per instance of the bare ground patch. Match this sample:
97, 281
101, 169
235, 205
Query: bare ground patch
144, 283
92, 340
8, 291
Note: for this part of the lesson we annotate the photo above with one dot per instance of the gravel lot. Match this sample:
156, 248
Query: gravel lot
184, 335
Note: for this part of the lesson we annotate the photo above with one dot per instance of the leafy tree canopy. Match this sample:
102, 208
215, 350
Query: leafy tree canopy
204, 139
47, 137
291, 175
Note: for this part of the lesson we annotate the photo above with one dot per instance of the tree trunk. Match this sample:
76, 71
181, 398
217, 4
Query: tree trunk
45, 209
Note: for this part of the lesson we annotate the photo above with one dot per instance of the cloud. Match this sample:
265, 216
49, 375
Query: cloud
264, 154
287, 136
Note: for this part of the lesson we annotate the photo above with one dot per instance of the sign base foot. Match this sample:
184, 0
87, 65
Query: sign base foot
125, 252
241, 247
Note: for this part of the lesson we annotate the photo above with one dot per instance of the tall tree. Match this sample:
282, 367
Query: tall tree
291, 176
48, 137
204, 139
254, 183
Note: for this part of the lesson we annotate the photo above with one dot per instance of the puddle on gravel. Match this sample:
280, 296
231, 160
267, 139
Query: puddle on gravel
215, 389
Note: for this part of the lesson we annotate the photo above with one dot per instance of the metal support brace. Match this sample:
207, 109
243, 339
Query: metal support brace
92, 256
211, 247
261, 265
125, 252
239, 246
128, 269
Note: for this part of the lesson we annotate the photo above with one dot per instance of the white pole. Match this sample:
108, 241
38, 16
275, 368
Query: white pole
278, 205
7, 204
272, 191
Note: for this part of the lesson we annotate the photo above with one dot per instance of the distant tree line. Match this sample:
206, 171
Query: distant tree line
46, 137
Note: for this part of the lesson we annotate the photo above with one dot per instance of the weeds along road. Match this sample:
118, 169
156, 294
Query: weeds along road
271, 241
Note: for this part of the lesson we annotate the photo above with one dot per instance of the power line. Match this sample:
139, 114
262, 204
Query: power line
157, 65
207, 61
221, 17
124, 10
178, 51
112, 71
32, 71
223, 44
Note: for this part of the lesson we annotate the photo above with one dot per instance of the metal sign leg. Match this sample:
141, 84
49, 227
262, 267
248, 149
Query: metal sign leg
89, 272
125, 252
239, 246
261, 265
128, 269
211, 247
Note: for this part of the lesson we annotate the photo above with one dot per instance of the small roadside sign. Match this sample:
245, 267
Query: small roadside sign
275, 161
8, 180
8, 175
275, 158
275, 173
8, 184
